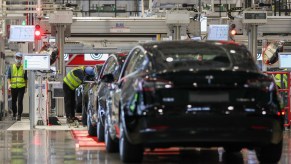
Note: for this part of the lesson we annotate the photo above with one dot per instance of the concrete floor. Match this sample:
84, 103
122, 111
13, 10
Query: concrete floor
57, 145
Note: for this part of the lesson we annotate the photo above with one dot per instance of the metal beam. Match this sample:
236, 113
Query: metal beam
18, 6
20, 11
118, 26
147, 26
276, 24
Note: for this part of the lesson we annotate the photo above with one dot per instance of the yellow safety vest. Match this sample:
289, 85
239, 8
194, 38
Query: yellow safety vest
71, 80
17, 77
278, 80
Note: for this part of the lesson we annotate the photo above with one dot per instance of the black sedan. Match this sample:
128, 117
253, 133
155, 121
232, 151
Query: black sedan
190, 93
98, 95
81, 94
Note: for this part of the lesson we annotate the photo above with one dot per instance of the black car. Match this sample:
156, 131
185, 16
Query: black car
81, 94
98, 96
92, 94
191, 93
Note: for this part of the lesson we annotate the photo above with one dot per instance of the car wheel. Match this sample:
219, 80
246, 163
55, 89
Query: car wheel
129, 152
100, 131
111, 144
91, 129
270, 153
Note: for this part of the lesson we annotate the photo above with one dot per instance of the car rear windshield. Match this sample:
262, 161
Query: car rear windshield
208, 57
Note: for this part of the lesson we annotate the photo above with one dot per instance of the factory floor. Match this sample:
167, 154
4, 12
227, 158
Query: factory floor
70, 144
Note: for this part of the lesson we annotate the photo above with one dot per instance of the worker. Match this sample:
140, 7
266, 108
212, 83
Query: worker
71, 81
284, 81
17, 83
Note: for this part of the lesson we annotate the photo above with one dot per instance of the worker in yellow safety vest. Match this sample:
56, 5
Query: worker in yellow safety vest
70, 82
278, 78
17, 82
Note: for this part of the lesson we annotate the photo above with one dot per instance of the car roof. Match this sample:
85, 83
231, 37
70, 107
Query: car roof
189, 43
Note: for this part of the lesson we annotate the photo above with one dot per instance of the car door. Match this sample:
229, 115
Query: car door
103, 89
132, 74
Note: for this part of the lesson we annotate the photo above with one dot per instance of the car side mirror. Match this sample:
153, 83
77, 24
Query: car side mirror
107, 78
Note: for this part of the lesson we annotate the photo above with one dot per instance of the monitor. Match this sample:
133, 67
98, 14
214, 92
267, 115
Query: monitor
36, 62
218, 32
20, 33
285, 60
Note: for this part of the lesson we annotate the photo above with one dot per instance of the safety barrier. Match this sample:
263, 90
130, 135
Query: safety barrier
285, 93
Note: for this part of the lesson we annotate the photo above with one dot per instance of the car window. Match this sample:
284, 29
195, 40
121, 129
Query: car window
139, 61
109, 65
131, 61
243, 59
190, 58
116, 71
97, 70
181, 57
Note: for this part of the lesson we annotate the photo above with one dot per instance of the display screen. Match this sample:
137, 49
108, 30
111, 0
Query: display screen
19, 33
284, 59
36, 62
255, 16
218, 32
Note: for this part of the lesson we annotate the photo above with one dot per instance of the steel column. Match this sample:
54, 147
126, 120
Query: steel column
60, 65
253, 40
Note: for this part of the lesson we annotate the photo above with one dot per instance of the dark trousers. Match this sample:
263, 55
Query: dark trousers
17, 95
69, 98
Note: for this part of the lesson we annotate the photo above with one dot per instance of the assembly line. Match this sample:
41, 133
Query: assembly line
145, 81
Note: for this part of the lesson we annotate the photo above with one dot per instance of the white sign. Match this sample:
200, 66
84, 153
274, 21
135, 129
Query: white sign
36, 62
94, 57
20, 33
203, 25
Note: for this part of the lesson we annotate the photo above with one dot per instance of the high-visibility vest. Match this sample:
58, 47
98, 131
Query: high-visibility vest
278, 80
17, 77
71, 80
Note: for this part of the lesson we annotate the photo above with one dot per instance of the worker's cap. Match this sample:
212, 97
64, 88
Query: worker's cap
89, 71
18, 54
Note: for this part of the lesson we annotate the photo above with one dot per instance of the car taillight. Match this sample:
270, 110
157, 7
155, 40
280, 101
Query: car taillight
263, 84
282, 113
152, 84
